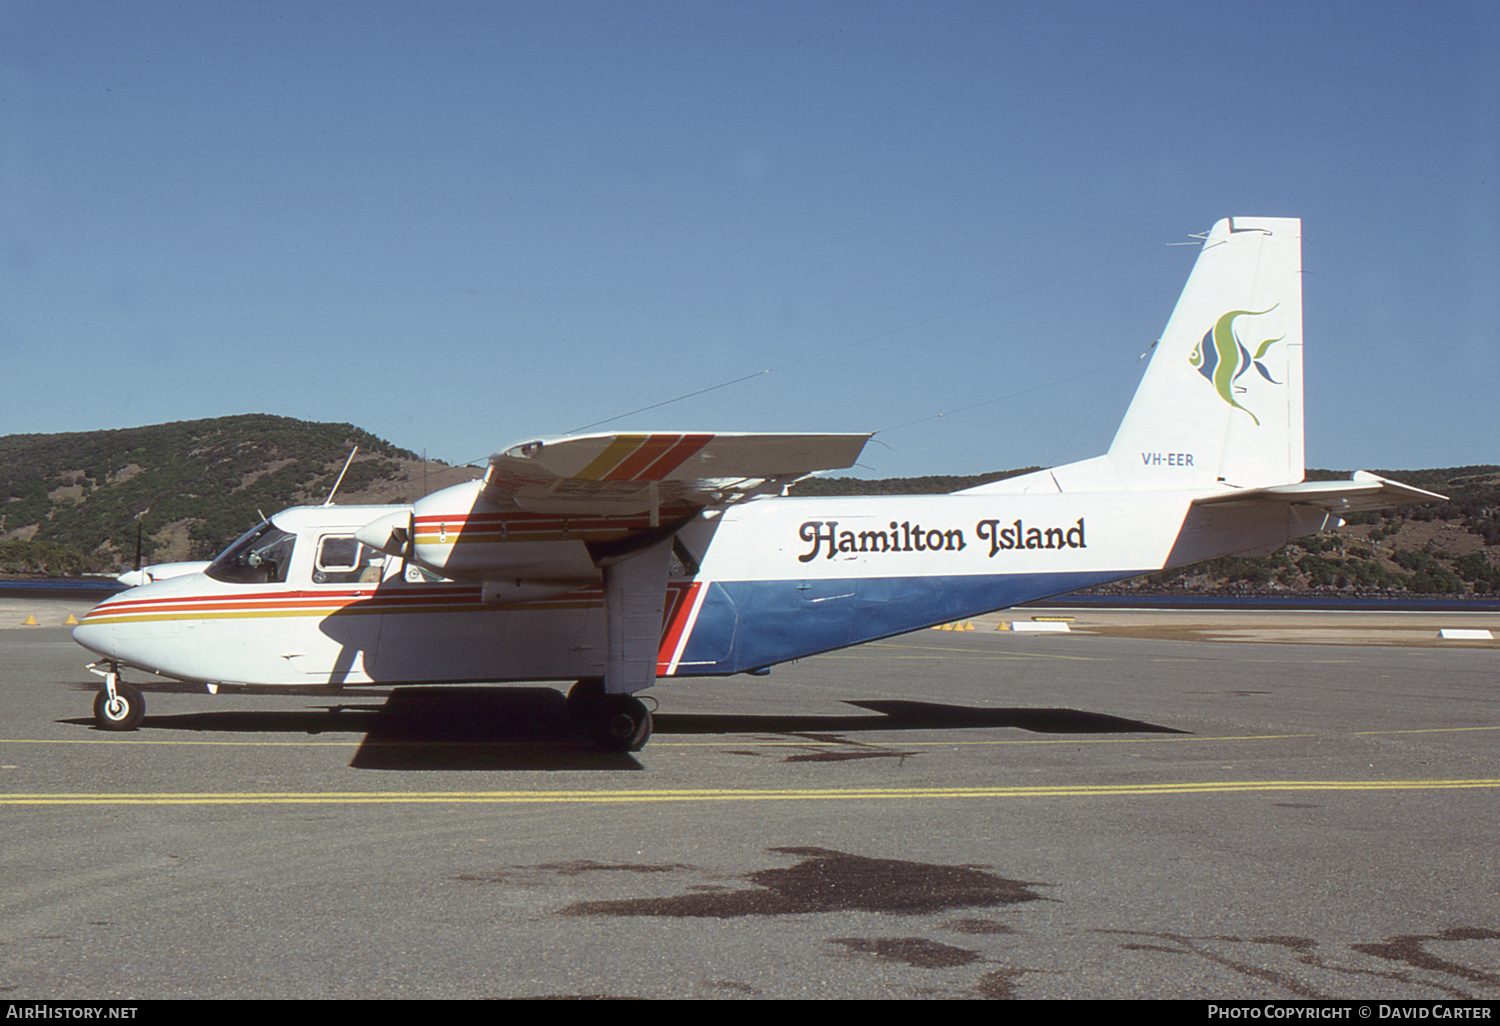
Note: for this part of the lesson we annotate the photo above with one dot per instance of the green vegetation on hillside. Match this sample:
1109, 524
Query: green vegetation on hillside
196, 486
1451, 548
69, 504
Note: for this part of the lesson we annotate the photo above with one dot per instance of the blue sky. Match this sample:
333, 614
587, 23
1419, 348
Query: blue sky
459, 225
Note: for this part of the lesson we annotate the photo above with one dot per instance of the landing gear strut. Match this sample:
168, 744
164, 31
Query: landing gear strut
118, 705
618, 723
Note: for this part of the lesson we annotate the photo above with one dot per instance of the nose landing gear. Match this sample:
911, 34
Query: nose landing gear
118, 705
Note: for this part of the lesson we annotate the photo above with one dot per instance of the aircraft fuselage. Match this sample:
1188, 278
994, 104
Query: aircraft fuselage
776, 579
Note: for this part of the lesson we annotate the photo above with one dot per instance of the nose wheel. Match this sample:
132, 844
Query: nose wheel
118, 705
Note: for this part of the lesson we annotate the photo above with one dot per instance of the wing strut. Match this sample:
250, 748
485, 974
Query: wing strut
635, 590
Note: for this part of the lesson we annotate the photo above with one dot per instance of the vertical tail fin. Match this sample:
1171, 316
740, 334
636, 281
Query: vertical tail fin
1221, 400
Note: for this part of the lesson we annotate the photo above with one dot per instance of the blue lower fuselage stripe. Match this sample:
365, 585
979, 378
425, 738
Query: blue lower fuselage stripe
745, 625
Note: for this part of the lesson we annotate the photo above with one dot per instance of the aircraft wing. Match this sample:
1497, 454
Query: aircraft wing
631, 473
1364, 491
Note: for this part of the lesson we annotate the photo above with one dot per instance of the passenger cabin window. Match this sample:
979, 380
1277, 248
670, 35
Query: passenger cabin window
262, 555
342, 560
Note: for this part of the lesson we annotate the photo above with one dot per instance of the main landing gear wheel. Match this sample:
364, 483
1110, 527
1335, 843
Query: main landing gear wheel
617, 723
123, 711
584, 696
623, 724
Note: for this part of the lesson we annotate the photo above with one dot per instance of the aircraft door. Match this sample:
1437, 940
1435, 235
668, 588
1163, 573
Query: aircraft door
346, 575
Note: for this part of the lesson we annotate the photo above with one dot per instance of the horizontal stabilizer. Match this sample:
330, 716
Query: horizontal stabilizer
1365, 491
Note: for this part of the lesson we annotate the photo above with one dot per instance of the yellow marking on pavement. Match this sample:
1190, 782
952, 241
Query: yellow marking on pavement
1423, 730
948, 650
745, 737
955, 743
748, 737
739, 795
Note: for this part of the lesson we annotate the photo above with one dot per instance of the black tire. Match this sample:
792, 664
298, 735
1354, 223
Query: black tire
584, 698
127, 711
623, 724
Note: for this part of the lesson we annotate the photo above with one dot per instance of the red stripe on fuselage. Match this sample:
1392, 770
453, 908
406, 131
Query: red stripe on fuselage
372, 599
679, 608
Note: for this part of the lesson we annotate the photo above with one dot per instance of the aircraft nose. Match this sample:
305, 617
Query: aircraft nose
96, 637
133, 628
96, 631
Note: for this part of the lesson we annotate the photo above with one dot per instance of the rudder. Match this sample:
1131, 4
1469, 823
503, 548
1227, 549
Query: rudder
1220, 403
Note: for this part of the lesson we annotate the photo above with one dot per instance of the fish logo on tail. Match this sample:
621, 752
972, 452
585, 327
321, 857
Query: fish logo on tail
1222, 358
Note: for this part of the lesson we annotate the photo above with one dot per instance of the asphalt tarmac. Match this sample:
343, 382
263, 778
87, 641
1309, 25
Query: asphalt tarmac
1149, 806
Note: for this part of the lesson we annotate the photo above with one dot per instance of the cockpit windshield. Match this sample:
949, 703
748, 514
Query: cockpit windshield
262, 555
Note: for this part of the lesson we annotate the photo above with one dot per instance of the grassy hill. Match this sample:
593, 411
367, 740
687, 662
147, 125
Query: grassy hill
69, 502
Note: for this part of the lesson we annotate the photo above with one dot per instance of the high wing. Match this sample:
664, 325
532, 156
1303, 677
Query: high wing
637, 473
550, 512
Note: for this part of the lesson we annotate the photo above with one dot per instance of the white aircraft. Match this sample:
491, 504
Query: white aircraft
615, 559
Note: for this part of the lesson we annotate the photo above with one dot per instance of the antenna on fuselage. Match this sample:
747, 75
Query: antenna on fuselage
341, 476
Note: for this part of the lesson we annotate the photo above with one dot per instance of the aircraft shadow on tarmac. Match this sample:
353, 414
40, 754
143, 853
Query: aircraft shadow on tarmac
469, 728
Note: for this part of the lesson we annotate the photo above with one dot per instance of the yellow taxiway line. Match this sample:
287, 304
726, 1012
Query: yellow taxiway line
791, 740
644, 795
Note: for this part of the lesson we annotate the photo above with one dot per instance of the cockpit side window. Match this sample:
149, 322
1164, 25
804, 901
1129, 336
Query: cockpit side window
262, 555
